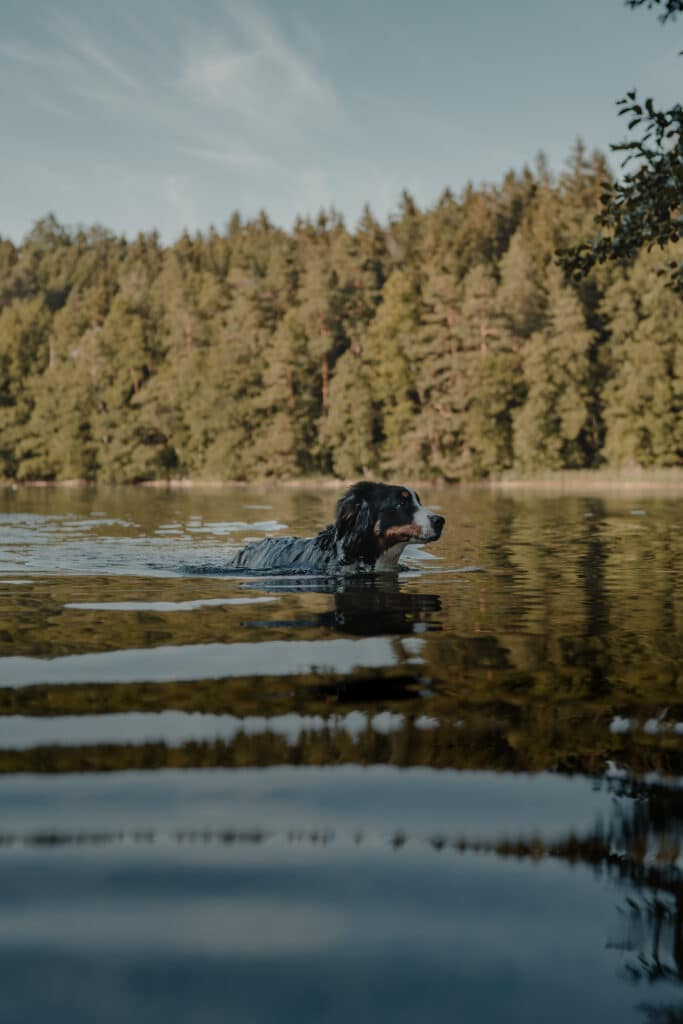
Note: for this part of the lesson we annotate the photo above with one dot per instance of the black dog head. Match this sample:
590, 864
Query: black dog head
371, 518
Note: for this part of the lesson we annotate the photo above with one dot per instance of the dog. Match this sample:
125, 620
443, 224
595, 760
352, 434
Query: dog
373, 524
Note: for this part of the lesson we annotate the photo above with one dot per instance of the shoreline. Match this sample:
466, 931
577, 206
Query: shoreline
570, 480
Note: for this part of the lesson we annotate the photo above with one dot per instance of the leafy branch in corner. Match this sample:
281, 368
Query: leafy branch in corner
645, 208
671, 7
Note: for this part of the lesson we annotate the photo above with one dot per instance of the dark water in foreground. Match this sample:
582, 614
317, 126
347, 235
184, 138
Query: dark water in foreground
455, 796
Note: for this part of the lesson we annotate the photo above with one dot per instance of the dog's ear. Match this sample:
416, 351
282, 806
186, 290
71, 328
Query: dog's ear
354, 527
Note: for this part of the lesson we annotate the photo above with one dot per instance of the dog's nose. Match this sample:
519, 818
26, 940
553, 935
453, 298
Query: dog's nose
436, 521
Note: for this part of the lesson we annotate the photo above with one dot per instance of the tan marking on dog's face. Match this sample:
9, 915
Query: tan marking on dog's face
397, 535
403, 531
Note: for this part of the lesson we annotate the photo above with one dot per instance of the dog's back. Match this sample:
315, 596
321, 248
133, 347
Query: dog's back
286, 553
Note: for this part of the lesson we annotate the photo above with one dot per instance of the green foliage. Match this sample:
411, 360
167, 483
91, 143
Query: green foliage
441, 345
389, 353
644, 208
643, 396
554, 427
671, 7
349, 429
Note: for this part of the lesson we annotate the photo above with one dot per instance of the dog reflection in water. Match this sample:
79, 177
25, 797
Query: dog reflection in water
363, 605
373, 524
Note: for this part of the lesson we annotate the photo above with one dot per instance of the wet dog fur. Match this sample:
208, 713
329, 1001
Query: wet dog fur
373, 524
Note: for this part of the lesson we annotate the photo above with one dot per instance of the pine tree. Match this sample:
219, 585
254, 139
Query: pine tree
390, 354
288, 399
57, 440
643, 397
521, 295
441, 422
403, 240
24, 332
425, 346
372, 258
350, 430
487, 386
555, 428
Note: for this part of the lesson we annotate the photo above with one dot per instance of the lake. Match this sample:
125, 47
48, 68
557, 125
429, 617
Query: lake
451, 796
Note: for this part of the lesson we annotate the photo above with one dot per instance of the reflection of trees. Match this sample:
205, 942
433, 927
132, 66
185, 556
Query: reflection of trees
650, 920
577, 618
580, 602
584, 596
663, 1014
476, 727
644, 841
654, 935
37, 622
636, 850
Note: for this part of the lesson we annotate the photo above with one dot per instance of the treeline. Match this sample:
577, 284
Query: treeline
444, 344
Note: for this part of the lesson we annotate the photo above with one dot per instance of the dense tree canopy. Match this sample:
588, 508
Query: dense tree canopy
442, 344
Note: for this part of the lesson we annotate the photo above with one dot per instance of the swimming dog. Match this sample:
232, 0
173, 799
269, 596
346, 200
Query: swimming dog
373, 524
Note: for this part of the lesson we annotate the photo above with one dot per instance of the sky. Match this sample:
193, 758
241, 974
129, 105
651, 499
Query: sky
171, 114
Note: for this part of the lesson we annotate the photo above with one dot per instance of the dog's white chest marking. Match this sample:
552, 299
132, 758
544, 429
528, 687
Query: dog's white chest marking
388, 560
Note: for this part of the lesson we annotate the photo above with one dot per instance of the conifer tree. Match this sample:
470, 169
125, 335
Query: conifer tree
350, 428
390, 353
403, 240
521, 295
516, 195
321, 314
441, 422
225, 415
439, 344
643, 397
489, 382
288, 399
555, 429
372, 257
24, 331
8, 261
57, 441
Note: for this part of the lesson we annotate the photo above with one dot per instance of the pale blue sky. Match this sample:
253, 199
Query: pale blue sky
141, 114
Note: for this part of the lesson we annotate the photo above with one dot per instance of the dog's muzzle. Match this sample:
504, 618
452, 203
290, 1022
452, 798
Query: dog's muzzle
433, 527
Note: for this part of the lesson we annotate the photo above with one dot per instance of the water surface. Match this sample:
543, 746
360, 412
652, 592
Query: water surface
451, 795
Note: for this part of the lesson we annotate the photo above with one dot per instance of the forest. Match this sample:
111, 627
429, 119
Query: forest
445, 344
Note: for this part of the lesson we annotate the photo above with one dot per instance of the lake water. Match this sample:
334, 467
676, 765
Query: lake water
451, 796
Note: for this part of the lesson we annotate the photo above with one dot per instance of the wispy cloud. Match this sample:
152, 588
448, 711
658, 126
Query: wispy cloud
18, 52
301, 76
94, 60
69, 62
53, 107
174, 117
242, 157
262, 76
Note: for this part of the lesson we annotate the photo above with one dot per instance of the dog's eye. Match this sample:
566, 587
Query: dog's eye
405, 497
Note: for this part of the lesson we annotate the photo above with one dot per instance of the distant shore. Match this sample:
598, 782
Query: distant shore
569, 480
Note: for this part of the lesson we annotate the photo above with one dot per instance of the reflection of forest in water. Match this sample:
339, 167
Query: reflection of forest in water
635, 850
563, 655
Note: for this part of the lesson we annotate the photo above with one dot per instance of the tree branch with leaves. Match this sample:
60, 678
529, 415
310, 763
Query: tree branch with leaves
645, 208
